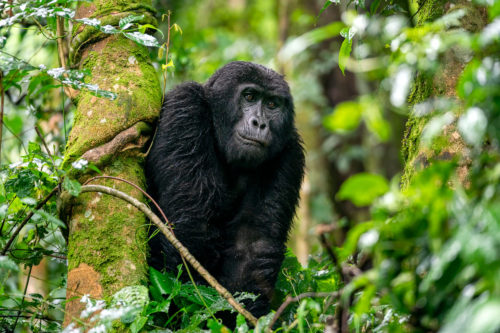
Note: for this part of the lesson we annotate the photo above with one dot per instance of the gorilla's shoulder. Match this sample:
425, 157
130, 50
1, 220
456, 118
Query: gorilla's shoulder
185, 101
184, 94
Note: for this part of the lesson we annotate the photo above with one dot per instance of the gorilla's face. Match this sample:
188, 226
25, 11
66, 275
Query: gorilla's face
252, 113
260, 121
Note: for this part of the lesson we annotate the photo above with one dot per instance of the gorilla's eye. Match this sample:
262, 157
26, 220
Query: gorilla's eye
249, 97
271, 105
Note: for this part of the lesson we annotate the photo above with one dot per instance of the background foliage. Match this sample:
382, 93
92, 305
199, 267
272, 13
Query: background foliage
387, 240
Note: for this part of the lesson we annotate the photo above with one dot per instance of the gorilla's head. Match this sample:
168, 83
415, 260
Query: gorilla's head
252, 112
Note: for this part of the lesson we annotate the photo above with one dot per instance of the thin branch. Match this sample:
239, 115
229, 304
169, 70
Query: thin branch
27, 218
166, 221
24, 296
341, 312
61, 54
34, 316
167, 46
15, 136
175, 242
46, 148
331, 254
298, 298
139, 189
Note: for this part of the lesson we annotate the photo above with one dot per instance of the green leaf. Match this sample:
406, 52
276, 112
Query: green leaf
143, 39
6, 264
374, 119
93, 22
126, 22
216, 327
138, 324
23, 184
34, 148
344, 53
50, 218
345, 117
108, 29
143, 27
162, 285
72, 186
363, 188
241, 324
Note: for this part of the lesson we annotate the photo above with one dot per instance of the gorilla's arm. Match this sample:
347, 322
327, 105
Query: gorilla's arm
182, 173
260, 231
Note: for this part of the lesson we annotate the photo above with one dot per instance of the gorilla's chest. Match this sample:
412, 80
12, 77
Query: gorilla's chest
238, 199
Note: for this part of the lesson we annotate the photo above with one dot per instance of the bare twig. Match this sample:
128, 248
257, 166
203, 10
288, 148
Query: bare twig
139, 189
153, 201
46, 148
15, 136
167, 46
61, 53
326, 246
27, 218
346, 273
175, 242
34, 316
24, 295
298, 298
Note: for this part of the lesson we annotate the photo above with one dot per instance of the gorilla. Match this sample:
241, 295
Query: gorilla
226, 167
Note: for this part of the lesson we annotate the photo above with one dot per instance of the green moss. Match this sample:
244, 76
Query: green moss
106, 233
121, 67
430, 10
101, 230
423, 88
89, 34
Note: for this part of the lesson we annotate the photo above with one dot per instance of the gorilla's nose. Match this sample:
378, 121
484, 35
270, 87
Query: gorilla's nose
258, 123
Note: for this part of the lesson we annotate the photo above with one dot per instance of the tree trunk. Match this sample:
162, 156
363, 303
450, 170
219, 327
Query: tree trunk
107, 245
442, 84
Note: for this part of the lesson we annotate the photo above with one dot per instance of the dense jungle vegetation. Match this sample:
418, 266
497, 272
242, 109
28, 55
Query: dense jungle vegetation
398, 103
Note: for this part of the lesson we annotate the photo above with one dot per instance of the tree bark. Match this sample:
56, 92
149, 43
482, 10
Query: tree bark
442, 84
107, 243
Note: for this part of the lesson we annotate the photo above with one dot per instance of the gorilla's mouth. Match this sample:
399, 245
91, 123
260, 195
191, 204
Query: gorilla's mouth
251, 141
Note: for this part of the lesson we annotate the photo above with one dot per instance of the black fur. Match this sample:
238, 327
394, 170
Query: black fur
231, 203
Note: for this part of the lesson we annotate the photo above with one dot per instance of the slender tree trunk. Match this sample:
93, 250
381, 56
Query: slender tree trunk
107, 246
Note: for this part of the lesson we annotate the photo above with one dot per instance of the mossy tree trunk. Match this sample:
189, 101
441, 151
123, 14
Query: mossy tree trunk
443, 84
107, 244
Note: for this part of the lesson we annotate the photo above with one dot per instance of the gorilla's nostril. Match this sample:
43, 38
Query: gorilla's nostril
262, 126
255, 122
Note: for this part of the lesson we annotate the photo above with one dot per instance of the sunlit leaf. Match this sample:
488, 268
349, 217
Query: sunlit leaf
143, 39
363, 188
374, 119
126, 22
344, 53
346, 117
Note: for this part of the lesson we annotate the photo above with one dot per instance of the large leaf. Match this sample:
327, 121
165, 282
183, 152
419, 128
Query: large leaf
363, 188
345, 117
